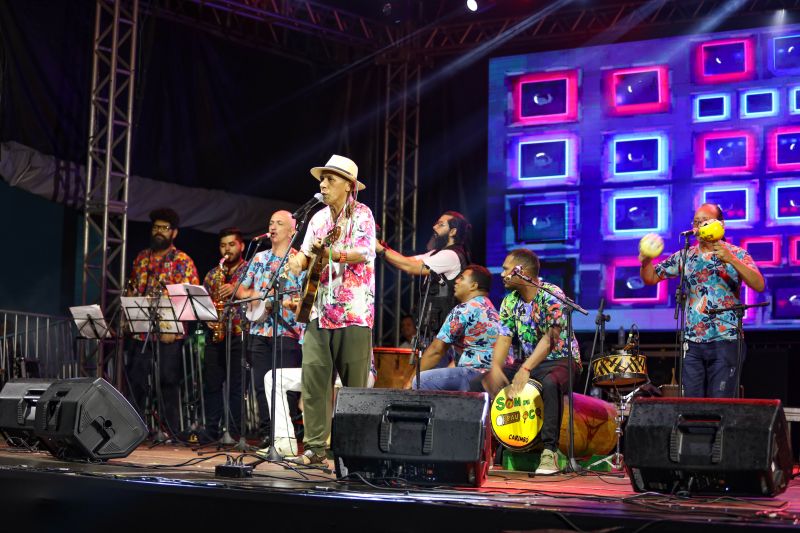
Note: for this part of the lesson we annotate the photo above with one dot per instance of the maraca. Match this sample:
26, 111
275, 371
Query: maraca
711, 230
651, 245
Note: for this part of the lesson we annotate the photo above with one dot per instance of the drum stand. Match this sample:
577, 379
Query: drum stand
615, 460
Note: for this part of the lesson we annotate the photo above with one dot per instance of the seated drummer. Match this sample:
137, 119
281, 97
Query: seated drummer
471, 328
534, 319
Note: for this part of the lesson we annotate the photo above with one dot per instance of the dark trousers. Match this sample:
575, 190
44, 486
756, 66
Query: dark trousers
709, 369
554, 378
260, 349
215, 373
140, 368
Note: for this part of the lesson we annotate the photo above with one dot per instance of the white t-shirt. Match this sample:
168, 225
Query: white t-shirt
445, 263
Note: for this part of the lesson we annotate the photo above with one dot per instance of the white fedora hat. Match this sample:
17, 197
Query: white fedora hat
341, 166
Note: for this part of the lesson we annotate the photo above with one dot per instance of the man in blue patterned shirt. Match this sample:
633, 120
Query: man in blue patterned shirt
471, 328
714, 274
289, 332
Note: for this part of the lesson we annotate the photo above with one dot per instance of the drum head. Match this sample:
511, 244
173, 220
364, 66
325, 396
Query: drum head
516, 423
619, 370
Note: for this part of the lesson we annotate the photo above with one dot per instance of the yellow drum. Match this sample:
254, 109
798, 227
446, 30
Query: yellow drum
517, 422
620, 369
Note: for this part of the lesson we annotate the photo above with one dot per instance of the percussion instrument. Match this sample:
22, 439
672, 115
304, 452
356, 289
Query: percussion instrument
517, 422
395, 368
711, 230
651, 245
258, 311
620, 369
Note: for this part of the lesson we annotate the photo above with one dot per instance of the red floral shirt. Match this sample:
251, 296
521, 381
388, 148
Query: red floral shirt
151, 275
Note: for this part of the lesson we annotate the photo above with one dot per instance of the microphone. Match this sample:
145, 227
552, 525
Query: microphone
692, 231
261, 237
517, 271
316, 199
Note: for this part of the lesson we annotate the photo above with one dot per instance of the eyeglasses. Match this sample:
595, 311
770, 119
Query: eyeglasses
161, 228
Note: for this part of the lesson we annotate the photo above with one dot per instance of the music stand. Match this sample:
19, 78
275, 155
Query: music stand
153, 316
90, 322
193, 303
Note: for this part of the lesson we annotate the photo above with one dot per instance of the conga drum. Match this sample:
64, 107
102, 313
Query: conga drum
395, 368
517, 422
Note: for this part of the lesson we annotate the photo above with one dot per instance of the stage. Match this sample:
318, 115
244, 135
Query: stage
171, 486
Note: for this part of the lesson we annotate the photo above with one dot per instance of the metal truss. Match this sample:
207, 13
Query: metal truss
108, 160
301, 30
396, 292
588, 19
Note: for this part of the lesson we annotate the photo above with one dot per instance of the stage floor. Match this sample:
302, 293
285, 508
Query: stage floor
176, 483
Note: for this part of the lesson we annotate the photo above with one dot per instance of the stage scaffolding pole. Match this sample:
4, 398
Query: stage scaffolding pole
105, 205
399, 193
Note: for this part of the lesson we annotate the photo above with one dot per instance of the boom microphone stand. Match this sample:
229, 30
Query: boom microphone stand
738, 310
572, 465
599, 330
681, 300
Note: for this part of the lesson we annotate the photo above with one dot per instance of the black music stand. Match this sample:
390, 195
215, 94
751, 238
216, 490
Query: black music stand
90, 322
153, 316
193, 303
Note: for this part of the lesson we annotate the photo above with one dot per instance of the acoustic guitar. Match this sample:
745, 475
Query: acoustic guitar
316, 263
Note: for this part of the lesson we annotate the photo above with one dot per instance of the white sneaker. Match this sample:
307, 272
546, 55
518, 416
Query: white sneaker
548, 463
286, 446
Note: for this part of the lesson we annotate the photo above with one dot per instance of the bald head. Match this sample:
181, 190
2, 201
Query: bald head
281, 227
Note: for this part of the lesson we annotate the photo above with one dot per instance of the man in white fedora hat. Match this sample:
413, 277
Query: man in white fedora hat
339, 332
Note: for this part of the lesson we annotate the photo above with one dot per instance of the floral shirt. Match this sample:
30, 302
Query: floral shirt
472, 328
214, 280
151, 275
712, 284
259, 276
528, 322
346, 294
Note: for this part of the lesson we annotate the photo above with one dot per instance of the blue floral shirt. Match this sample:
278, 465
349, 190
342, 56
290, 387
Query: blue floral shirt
472, 328
530, 321
258, 276
712, 284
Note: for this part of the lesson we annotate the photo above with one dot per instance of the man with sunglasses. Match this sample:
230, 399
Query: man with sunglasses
154, 268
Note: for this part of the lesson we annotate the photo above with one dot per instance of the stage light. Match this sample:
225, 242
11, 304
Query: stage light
783, 202
725, 152
725, 60
542, 160
783, 149
633, 156
545, 97
624, 284
758, 103
737, 199
638, 90
472, 5
633, 213
711, 107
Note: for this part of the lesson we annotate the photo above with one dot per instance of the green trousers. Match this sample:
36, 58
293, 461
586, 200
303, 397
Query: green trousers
346, 350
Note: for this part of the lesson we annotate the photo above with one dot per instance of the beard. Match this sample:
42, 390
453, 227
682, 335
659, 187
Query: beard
437, 242
159, 243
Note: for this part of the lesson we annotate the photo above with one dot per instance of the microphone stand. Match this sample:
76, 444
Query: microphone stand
599, 330
572, 464
681, 300
422, 319
738, 310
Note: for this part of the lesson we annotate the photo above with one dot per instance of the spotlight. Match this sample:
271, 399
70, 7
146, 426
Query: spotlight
472, 5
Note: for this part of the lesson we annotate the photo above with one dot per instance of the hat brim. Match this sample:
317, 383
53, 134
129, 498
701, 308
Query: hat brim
317, 173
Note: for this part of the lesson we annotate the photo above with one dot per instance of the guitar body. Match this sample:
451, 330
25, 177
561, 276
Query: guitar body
315, 266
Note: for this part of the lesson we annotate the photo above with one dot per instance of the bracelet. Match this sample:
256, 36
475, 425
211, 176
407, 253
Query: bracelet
523, 367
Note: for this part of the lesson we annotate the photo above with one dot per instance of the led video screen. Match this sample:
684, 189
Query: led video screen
592, 148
